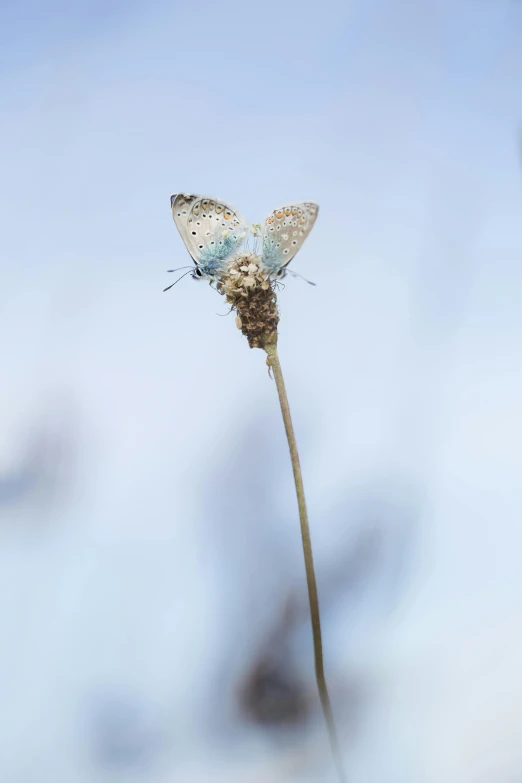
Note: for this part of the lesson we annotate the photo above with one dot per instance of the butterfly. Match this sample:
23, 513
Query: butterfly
213, 233
283, 234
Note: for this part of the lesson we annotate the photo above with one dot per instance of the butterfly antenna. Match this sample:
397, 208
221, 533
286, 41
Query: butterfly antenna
296, 274
177, 281
179, 268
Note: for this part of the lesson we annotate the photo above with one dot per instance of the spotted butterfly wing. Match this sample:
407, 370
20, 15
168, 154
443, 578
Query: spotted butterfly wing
211, 230
284, 232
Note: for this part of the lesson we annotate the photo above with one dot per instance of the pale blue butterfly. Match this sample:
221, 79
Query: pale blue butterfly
213, 232
284, 232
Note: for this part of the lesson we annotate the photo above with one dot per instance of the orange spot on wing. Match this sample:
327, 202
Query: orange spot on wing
279, 214
288, 211
228, 215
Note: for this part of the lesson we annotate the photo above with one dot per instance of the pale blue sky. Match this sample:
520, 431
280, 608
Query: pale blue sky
401, 120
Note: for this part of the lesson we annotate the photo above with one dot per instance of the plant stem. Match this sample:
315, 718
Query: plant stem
270, 347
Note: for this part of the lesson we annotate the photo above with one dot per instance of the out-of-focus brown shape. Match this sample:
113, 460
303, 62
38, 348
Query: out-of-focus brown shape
271, 693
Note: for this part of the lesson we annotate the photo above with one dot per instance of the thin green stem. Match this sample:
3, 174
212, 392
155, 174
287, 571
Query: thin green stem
273, 362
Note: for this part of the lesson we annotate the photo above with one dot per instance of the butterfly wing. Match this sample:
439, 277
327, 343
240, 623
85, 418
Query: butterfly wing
211, 229
284, 232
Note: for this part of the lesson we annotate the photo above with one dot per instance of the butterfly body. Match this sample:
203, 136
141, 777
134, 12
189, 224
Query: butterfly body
213, 233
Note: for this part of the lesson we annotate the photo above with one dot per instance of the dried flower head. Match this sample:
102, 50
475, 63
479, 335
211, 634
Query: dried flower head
250, 292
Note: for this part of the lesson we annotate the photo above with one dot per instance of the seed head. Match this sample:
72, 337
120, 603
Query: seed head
249, 291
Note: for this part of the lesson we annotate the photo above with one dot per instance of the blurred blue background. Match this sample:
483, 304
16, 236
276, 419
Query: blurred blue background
153, 621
